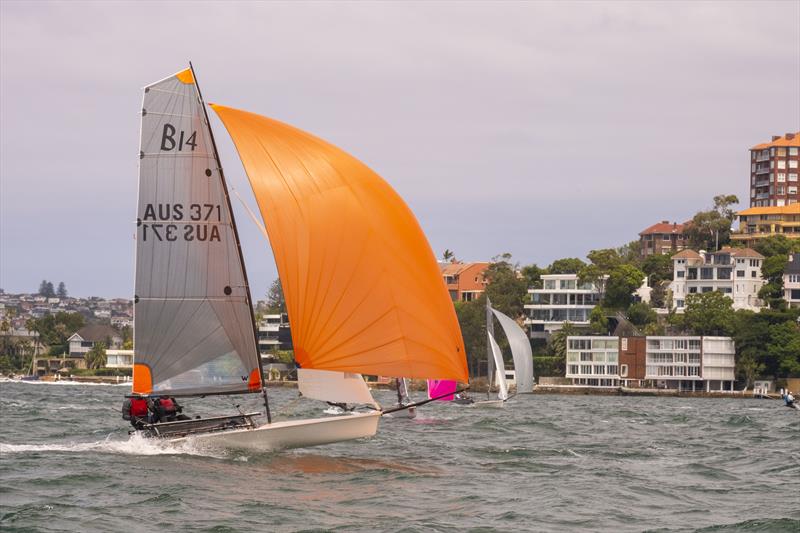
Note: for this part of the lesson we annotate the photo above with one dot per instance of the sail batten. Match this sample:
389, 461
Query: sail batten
363, 290
193, 327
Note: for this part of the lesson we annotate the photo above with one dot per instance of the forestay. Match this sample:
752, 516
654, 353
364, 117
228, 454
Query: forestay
520, 350
501, 369
334, 387
194, 329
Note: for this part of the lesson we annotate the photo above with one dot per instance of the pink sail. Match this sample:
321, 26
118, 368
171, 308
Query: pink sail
438, 387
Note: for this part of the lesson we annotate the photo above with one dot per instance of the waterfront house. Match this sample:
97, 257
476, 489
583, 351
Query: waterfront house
562, 298
735, 272
759, 223
119, 358
791, 281
274, 334
684, 363
465, 281
85, 338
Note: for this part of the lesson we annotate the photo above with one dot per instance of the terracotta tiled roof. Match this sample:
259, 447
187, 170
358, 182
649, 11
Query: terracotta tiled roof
453, 269
664, 227
793, 209
743, 252
687, 254
783, 141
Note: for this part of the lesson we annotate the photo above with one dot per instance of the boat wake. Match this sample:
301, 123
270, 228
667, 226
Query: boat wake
135, 445
65, 382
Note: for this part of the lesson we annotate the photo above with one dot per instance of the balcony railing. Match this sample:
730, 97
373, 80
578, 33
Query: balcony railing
763, 170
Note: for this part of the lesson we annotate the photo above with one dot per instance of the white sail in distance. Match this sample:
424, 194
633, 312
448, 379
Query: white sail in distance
520, 350
497, 355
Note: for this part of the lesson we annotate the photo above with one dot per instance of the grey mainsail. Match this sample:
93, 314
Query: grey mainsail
194, 329
520, 350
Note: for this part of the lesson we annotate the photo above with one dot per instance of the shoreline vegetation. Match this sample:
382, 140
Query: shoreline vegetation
767, 342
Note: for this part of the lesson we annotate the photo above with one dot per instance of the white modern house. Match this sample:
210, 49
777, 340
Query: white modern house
735, 272
119, 358
562, 298
791, 281
273, 334
684, 363
593, 361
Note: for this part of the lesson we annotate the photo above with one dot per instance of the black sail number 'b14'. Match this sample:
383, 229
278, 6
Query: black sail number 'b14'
168, 142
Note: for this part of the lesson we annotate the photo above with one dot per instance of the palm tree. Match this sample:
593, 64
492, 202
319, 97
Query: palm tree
448, 255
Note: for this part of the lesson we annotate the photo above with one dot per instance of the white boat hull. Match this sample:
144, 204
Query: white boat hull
292, 433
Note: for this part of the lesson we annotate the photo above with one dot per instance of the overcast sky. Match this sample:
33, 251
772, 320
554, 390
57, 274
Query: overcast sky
544, 130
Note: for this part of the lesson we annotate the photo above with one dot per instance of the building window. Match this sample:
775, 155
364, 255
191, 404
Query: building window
680, 273
793, 163
793, 150
781, 177
740, 273
679, 304
792, 176
706, 273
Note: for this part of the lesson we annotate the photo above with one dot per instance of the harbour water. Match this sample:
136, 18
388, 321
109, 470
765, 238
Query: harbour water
545, 463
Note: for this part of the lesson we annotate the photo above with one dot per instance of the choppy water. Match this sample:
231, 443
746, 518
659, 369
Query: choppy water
545, 463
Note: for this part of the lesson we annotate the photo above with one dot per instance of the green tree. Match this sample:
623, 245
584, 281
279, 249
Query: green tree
46, 289
623, 280
533, 275
598, 321
784, 347
631, 253
62, 290
448, 255
558, 344
472, 319
96, 357
776, 245
505, 289
657, 267
772, 271
709, 313
568, 265
276, 303
641, 314
713, 226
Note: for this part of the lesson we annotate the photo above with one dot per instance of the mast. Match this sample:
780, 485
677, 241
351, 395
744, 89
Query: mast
238, 242
489, 355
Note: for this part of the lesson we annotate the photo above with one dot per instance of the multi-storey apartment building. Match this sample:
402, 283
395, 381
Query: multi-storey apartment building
791, 281
774, 171
736, 272
672, 362
757, 223
562, 298
274, 334
663, 238
464, 281
593, 361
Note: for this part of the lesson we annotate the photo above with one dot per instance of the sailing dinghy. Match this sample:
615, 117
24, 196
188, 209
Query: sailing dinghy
520, 351
362, 286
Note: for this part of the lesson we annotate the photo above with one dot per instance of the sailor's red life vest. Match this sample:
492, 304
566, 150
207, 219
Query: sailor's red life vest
139, 407
167, 405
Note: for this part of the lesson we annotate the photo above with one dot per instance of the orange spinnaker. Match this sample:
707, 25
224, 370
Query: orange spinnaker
362, 286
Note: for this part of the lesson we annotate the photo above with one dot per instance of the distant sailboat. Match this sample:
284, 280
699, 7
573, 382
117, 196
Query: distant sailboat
520, 351
362, 286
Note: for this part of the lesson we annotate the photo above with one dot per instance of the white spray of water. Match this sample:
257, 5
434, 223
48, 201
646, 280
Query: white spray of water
135, 445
